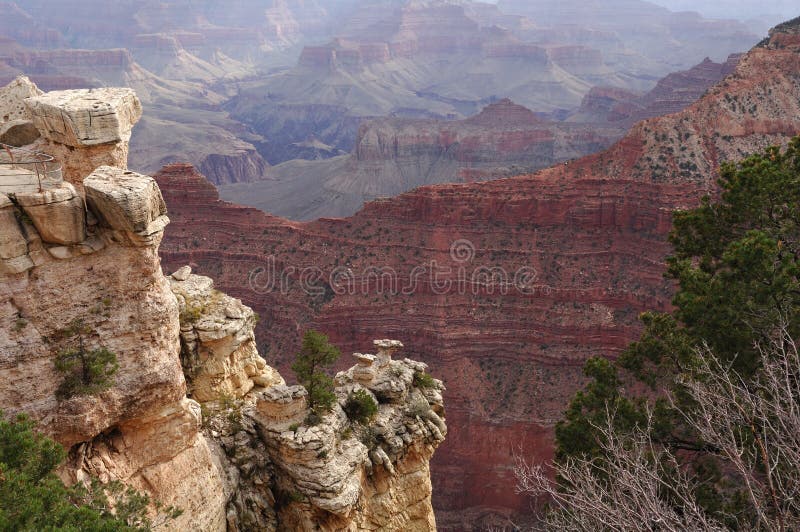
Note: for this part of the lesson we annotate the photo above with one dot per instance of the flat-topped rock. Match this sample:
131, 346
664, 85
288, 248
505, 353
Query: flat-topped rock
57, 213
385, 350
125, 200
282, 403
86, 117
364, 359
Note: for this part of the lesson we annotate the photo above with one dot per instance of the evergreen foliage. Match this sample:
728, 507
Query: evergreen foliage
737, 265
33, 498
86, 371
360, 407
423, 380
316, 354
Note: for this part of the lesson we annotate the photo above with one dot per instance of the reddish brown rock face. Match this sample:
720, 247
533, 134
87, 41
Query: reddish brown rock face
581, 246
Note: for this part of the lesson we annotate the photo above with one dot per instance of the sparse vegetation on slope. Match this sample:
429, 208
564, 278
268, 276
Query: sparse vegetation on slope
718, 450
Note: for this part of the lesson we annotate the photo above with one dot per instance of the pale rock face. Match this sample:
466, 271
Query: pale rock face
98, 122
126, 201
338, 475
12, 99
79, 163
13, 245
164, 454
57, 213
142, 430
218, 347
86, 117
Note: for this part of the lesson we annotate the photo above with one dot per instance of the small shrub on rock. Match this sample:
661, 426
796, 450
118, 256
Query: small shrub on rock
360, 407
86, 371
424, 380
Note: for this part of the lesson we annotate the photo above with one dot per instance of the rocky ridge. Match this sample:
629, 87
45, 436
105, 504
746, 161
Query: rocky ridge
394, 155
671, 94
183, 418
582, 246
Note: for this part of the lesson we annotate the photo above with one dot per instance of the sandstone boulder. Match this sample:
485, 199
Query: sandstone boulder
125, 200
12, 99
86, 117
57, 213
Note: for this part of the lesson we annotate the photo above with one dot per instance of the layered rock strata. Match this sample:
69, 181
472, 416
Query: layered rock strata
394, 155
341, 475
180, 419
103, 269
218, 349
574, 253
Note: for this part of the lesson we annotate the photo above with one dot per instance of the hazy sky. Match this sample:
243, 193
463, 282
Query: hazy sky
742, 9
771, 11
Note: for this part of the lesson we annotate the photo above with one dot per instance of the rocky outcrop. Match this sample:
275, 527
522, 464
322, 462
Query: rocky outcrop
218, 348
286, 471
57, 213
65, 260
582, 247
141, 430
12, 99
179, 418
82, 129
86, 117
338, 474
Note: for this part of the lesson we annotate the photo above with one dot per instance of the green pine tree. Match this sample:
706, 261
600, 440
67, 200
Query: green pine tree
86, 371
316, 354
737, 265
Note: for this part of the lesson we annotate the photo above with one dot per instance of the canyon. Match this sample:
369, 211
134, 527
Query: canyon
448, 60
190, 415
394, 155
234, 90
505, 286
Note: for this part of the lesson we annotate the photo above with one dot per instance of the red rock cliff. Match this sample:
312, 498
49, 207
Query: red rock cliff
581, 247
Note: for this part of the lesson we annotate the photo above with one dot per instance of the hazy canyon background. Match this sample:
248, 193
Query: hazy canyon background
308, 109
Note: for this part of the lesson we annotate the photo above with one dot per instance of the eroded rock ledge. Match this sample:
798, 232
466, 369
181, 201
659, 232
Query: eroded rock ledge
335, 474
194, 416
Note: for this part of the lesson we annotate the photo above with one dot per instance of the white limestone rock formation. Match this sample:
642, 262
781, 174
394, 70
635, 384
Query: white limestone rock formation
83, 129
142, 430
218, 347
128, 203
86, 117
57, 213
340, 475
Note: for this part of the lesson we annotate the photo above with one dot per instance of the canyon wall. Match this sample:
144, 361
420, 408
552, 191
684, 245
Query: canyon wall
671, 94
506, 286
192, 415
393, 155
